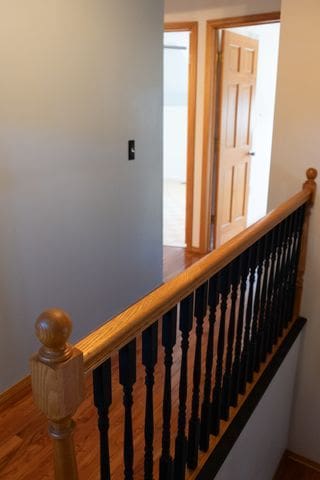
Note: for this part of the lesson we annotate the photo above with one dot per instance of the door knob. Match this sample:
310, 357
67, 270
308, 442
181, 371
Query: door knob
252, 154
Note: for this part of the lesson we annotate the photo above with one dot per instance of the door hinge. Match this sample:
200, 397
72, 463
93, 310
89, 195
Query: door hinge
219, 57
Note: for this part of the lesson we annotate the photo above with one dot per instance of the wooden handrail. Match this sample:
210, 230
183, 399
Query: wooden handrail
121, 329
58, 368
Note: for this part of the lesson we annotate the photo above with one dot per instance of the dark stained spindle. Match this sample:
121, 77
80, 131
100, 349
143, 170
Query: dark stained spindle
277, 284
169, 334
201, 303
181, 447
205, 426
266, 252
274, 288
281, 274
300, 215
248, 320
149, 360
256, 312
290, 260
102, 395
285, 275
297, 249
226, 388
216, 396
267, 344
127, 371
244, 266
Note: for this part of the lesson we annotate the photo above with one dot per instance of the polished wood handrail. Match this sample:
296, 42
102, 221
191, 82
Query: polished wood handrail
58, 369
121, 329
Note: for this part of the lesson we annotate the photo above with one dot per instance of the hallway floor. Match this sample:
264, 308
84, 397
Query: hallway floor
290, 469
177, 259
174, 213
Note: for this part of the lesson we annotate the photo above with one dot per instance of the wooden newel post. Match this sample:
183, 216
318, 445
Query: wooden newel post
311, 186
58, 386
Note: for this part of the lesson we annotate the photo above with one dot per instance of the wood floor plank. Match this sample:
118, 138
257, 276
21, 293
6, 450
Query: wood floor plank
8, 448
292, 470
177, 259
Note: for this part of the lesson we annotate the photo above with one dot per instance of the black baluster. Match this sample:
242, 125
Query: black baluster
226, 388
296, 256
205, 426
302, 215
287, 306
297, 222
285, 276
216, 395
267, 345
201, 303
256, 312
266, 252
127, 371
169, 334
248, 320
102, 395
149, 360
281, 279
277, 282
274, 283
181, 447
236, 370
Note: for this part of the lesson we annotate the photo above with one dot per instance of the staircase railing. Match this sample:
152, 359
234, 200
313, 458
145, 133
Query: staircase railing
227, 315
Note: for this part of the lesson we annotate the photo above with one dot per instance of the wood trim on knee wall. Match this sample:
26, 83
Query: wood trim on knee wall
16, 392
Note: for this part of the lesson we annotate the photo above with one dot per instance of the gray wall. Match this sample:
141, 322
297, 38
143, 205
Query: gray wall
80, 225
296, 147
259, 448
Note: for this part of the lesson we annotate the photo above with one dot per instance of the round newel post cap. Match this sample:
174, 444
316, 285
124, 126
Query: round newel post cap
53, 329
312, 174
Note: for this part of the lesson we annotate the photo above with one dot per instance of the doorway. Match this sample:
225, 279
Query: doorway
241, 69
268, 37
180, 72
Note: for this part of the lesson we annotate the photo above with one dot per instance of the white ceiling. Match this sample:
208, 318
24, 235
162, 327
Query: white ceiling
179, 6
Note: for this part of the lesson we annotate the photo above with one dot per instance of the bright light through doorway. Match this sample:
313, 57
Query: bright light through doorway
175, 123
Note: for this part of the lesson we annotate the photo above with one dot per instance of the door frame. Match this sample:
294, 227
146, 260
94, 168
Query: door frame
191, 27
210, 106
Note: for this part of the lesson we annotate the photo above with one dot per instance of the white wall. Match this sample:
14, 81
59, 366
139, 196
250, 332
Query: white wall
219, 7
175, 115
80, 225
296, 147
175, 131
260, 446
201, 11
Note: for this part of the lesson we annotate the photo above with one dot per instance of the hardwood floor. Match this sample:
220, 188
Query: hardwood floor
290, 469
177, 259
174, 212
